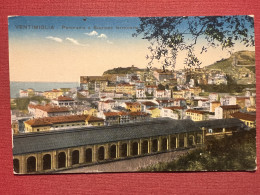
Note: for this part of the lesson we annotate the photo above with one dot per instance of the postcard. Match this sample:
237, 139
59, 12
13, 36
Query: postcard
132, 94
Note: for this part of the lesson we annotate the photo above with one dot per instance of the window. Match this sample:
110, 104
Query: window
38, 130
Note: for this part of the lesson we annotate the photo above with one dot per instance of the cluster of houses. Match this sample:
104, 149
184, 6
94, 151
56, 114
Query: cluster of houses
129, 98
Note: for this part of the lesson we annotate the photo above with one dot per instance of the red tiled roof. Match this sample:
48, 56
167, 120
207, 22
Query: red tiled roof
227, 107
138, 114
132, 103
61, 119
244, 116
64, 98
149, 103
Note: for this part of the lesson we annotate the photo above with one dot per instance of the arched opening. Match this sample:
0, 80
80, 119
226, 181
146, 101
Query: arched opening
61, 160
123, 152
112, 152
16, 165
191, 140
198, 139
181, 141
101, 153
144, 147
164, 144
88, 155
75, 157
135, 148
173, 142
46, 162
31, 164
155, 145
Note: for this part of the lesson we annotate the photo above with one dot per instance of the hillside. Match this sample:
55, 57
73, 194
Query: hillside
240, 66
120, 70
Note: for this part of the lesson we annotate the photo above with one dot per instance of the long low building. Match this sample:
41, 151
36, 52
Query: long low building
42, 152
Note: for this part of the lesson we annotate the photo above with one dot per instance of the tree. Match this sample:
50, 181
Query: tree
169, 35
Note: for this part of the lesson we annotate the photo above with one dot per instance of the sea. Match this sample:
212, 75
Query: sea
15, 86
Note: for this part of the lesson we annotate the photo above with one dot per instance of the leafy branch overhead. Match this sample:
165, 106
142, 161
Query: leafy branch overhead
170, 35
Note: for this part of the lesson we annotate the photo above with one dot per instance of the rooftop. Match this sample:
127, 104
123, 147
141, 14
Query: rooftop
227, 107
46, 141
244, 116
61, 119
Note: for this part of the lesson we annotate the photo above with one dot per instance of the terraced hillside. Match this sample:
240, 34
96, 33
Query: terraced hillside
240, 66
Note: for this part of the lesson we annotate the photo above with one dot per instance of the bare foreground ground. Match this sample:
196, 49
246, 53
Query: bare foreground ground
129, 165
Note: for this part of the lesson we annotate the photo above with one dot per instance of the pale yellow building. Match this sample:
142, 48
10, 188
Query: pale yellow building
197, 115
126, 88
155, 112
53, 94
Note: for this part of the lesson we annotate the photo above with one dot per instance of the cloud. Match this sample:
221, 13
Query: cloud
74, 41
57, 39
93, 33
102, 36
109, 42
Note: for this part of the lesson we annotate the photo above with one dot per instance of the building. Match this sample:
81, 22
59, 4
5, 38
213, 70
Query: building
133, 106
58, 150
106, 105
228, 100
197, 115
162, 93
161, 75
226, 111
63, 101
243, 102
150, 89
53, 94
174, 112
61, 122
90, 111
166, 103
139, 116
147, 105
94, 83
248, 118
140, 93
126, 88
39, 111
155, 112
213, 105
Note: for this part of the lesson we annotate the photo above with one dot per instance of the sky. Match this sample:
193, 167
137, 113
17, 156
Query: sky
61, 49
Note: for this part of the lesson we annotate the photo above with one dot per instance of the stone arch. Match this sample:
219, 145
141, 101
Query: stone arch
123, 150
101, 153
134, 148
155, 145
144, 147
31, 164
75, 157
164, 143
16, 164
173, 143
88, 155
46, 162
61, 160
112, 151
190, 140
199, 139
181, 141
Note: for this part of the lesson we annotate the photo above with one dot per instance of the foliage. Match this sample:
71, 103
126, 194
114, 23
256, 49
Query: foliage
22, 103
161, 87
120, 70
169, 35
237, 152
